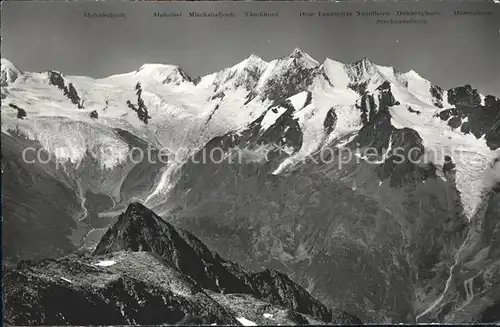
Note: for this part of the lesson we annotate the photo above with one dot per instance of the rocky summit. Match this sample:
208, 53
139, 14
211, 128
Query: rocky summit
146, 272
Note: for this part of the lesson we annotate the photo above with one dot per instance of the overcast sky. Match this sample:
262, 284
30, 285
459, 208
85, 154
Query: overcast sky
449, 50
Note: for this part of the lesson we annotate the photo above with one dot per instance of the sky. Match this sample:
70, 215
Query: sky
449, 50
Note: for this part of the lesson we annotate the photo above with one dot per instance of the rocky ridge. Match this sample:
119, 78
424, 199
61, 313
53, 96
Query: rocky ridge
146, 272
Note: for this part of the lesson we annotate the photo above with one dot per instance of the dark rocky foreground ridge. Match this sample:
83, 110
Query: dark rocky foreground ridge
146, 272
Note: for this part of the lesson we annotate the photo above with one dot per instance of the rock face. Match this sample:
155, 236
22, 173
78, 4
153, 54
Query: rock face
473, 116
144, 271
473, 295
56, 79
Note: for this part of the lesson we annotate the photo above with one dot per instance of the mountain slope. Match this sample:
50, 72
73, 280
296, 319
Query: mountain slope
472, 293
32, 191
312, 225
140, 274
269, 222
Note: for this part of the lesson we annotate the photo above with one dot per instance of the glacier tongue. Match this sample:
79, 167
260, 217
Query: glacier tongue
70, 141
471, 155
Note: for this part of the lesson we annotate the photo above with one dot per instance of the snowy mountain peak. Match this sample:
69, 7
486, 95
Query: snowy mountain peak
413, 75
363, 66
329, 61
8, 64
165, 74
364, 62
252, 62
254, 59
364, 71
9, 72
297, 52
244, 74
336, 72
298, 55
153, 67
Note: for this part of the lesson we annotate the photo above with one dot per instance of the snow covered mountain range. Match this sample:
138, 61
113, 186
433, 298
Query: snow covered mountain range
186, 113
407, 223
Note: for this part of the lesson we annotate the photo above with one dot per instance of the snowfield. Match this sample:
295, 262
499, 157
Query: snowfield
105, 263
246, 322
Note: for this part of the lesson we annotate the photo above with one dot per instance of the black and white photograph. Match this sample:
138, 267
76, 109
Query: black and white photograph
250, 163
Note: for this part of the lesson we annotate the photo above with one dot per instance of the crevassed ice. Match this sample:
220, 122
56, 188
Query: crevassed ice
71, 141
